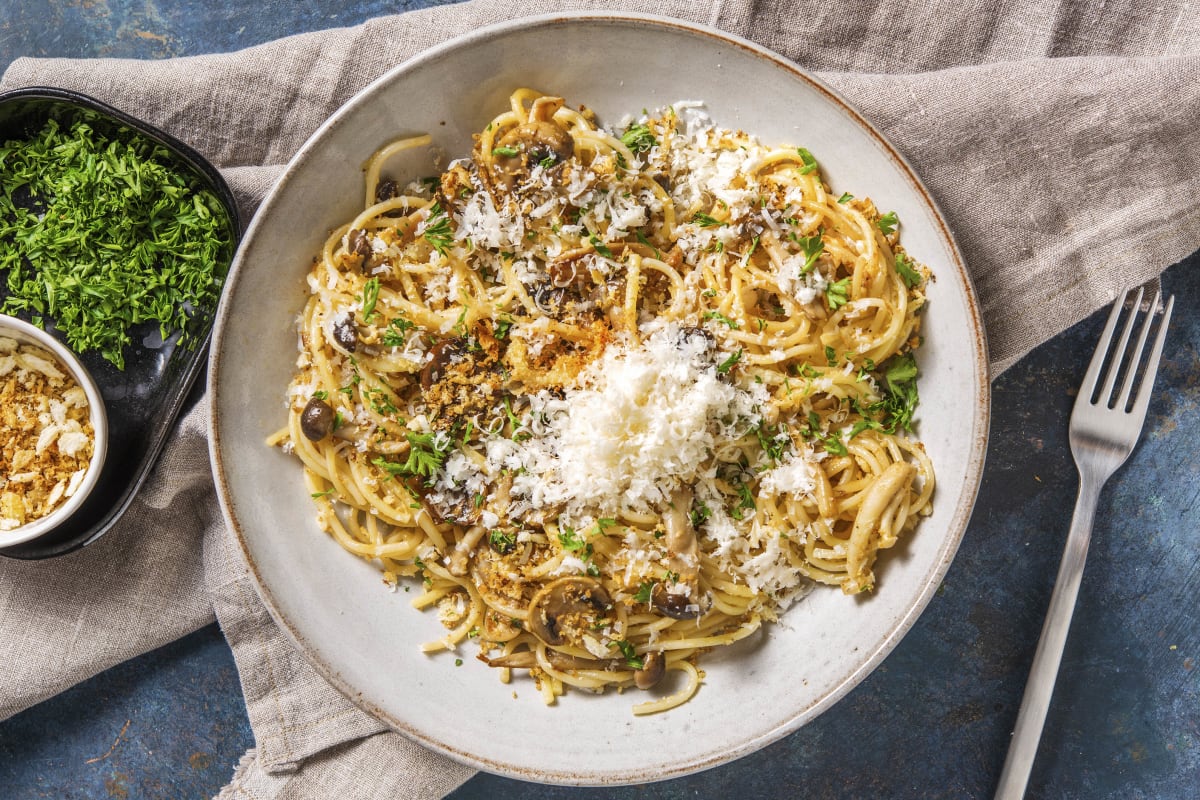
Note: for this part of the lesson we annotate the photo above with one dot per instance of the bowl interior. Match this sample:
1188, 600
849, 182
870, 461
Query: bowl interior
364, 639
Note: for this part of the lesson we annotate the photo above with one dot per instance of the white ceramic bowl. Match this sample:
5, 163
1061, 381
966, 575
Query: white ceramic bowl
364, 639
13, 328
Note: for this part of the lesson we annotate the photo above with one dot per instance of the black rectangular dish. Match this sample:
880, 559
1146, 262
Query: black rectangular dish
145, 398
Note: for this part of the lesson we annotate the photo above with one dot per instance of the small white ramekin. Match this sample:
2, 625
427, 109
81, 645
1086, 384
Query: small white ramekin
14, 328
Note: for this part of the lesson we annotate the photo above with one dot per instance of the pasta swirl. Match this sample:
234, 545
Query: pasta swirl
616, 396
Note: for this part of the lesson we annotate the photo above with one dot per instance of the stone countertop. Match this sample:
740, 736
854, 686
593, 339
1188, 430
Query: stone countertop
933, 721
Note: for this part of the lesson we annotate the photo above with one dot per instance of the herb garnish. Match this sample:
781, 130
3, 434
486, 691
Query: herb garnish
888, 222
426, 454
810, 163
632, 659
904, 266
102, 232
837, 293
638, 138
437, 229
728, 363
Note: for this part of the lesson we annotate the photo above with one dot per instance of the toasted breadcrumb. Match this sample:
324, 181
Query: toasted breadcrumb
46, 435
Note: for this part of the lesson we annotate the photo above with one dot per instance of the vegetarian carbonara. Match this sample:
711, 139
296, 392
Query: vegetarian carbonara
616, 396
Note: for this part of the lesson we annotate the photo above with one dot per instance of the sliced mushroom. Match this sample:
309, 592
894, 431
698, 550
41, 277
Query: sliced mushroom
386, 190
441, 355
681, 599
345, 334
676, 605
564, 609
654, 666
538, 142
317, 420
359, 246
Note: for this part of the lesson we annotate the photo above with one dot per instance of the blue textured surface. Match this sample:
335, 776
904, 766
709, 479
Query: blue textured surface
932, 722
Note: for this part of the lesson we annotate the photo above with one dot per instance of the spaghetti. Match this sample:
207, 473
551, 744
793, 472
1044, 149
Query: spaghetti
616, 396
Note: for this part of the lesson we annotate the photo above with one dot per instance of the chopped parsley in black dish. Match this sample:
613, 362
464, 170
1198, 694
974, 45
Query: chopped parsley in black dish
116, 238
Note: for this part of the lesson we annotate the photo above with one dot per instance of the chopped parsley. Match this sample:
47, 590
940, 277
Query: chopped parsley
503, 325
888, 222
101, 230
632, 659
717, 315
572, 542
396, 333
707, 221
745, 502
772, 439
728, 363
437, 229
836, 294
502, 542
644, 592
845, 198
906, 270
505, 151
810, 163
426, 454
813, 247
601, 248
638, 138
370, 298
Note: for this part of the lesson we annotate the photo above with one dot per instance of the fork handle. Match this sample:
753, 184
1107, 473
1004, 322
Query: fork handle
1032, 715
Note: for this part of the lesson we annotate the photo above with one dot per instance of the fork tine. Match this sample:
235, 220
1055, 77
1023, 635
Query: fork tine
1135, 358
1143, 396
1118, 353
1087, 387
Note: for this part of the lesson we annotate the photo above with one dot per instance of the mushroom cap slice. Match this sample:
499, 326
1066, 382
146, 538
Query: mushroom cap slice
654, 666
566, 606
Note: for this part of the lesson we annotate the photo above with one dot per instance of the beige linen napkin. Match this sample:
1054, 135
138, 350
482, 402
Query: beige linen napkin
1054, 136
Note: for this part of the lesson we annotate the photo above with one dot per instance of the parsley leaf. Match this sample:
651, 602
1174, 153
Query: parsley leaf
601, 248
728, 363
437, 229
370, 297
845, 198
717, 315
837, 294
902, 398
809, 162
644, 592
505, 151
904, 266
813, 246
502, 542
426, 454
632, 659
638, 138
707, 221
396, 333
888, 222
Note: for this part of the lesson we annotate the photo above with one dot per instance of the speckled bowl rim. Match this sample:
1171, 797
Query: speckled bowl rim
976, 381
31, 334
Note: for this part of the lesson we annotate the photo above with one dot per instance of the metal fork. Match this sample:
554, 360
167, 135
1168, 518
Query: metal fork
1104, 429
